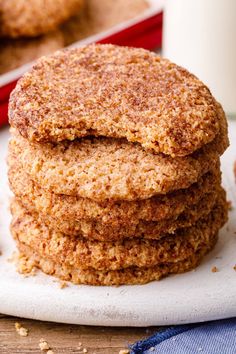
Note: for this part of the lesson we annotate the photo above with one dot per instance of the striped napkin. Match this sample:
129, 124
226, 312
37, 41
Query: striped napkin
217, 337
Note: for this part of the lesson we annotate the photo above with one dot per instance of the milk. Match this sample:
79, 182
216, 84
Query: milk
200, 35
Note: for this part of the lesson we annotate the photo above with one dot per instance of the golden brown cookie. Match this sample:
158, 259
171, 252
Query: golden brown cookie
84, 217
93, 229
119, 92
73, 208
86, 254
105, 168
131, 275
30, 18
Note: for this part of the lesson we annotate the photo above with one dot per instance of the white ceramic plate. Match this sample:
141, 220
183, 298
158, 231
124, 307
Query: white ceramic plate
195, 296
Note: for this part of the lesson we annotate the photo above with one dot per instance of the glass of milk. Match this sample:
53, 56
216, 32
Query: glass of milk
200, 35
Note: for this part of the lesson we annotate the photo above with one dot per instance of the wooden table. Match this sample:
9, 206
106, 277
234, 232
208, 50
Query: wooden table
64, 338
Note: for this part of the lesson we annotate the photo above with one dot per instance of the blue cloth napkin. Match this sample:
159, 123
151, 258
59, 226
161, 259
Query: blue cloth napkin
217, 337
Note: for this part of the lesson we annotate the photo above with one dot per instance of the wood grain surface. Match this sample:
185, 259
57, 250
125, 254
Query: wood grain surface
66, 339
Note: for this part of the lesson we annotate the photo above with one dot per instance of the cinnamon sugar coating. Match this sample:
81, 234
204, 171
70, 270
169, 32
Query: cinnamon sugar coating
95, 230
109, 212
30, 18
114, 162
119, 92
85, 218
131, 275
105, 168
86, 254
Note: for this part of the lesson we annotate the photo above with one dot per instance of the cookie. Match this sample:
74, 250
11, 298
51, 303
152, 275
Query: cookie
72, 208
30, 18
118, 92
105, 168
86, 254
131, 276
93, 229
147, 218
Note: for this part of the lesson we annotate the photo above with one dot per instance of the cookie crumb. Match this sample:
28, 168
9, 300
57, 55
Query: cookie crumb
124, 351
234, 267
151, 349
85, 350
214, 269
23, 265
23, 332
17, 326
50, 351
63, 284
43, 345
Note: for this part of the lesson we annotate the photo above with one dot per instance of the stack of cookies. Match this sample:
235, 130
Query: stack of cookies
114, 164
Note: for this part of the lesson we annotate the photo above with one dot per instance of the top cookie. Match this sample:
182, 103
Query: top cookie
30, 18
106, 90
